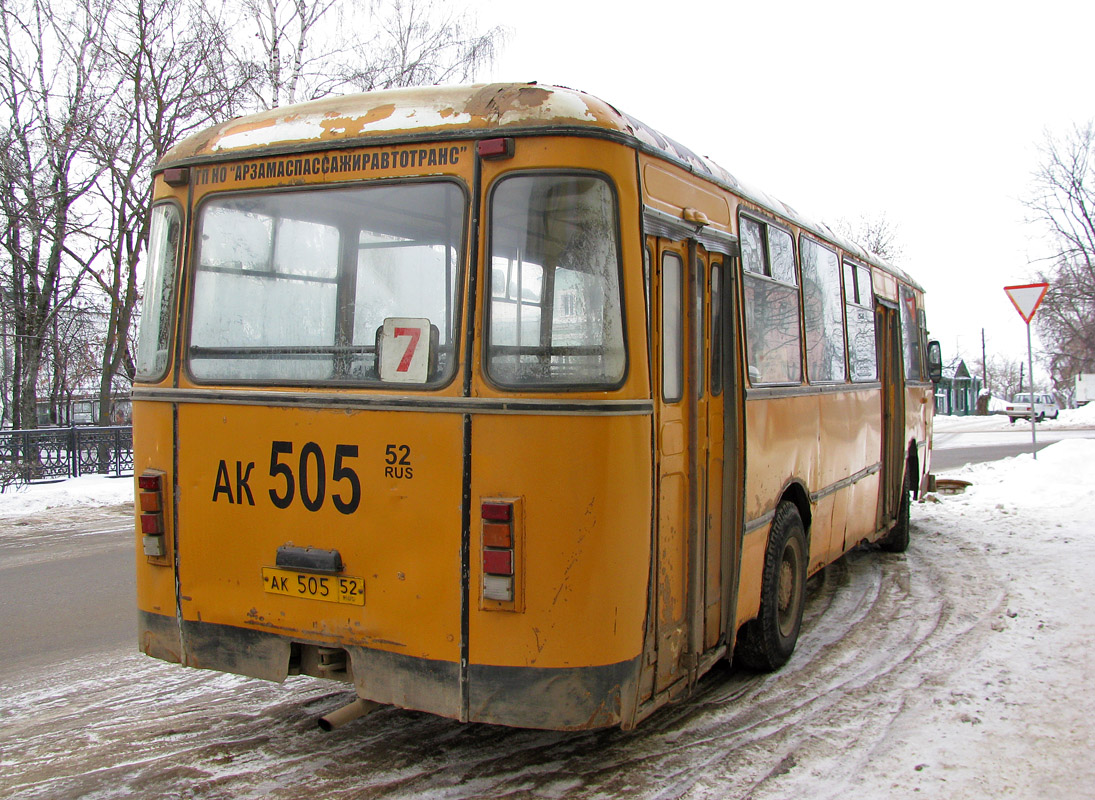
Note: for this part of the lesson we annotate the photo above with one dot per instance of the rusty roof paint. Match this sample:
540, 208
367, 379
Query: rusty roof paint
401, 112
451, 111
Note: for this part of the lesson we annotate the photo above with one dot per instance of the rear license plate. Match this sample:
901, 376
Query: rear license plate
329, 588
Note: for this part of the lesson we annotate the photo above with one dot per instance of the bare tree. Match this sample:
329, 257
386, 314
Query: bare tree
50, 66
422, 42
1062, 204
874, 233
1003, 375
305, 49
96, 91
168, 59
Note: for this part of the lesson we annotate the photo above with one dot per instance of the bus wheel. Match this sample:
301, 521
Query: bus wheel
897, 540
767, 642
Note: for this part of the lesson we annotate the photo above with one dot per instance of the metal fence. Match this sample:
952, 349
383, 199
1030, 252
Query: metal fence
53, 453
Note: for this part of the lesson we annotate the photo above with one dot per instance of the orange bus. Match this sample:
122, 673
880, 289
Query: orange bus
495, 403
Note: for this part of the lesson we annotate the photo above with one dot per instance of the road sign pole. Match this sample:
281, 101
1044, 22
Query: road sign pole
1030, 367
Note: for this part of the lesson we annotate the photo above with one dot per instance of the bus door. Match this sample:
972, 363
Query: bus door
719, 453
891, 372
689, 450
716, 536
674, 492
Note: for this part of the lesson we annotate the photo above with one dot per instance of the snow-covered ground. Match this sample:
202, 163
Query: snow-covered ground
1067, 419
89, 490
961, 669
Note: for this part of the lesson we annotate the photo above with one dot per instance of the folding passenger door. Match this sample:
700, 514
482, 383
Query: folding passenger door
674, 453
691, 545
892, 374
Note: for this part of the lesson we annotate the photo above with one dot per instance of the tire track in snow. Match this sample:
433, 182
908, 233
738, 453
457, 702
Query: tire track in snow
879, 629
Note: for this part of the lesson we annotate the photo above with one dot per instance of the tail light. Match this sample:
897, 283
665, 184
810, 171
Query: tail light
150, 502
495, 149
500, 554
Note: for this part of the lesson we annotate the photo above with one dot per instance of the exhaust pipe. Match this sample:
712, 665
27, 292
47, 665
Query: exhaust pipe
348, 713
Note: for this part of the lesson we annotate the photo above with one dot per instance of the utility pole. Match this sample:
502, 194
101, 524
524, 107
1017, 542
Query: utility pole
984, 363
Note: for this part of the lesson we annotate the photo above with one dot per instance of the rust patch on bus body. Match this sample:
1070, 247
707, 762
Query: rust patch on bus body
356, 125
494, 101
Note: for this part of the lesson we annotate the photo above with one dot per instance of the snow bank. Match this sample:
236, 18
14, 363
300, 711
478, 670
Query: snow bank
1060, 481
1084, 415
90, 490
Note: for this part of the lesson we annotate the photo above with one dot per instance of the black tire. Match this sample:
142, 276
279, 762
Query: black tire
1040, 418
897, 540
767, 642
1011, 420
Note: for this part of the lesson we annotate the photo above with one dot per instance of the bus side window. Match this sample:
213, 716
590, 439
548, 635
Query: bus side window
859, 312
824, 317
672, 328
910, 335
716, 328
700, 327
772, 308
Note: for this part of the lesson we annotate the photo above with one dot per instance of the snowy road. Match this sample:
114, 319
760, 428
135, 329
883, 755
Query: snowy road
956, 670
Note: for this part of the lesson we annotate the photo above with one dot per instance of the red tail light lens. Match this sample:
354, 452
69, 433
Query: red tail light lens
498, 562
498, 512
152, 524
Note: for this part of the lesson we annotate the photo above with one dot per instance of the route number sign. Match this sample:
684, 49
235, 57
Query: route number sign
405, 350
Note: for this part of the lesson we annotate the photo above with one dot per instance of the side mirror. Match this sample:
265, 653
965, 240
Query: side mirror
935, 362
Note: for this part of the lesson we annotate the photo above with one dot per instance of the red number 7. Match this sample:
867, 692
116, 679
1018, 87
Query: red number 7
414, 334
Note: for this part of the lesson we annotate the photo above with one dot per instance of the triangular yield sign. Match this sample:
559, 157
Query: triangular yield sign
1026, 299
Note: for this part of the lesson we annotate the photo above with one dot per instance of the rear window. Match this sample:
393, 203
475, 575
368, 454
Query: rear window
311, 286
555, 311
159, 292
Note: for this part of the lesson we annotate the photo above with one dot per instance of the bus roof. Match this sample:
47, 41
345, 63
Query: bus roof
450, 112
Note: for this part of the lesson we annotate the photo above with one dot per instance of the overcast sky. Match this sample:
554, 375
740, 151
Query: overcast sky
929, 112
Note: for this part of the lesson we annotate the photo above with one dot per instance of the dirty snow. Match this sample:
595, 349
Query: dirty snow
89, 490
957, 670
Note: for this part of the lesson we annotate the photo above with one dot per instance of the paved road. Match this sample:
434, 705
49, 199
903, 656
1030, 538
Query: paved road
948, 458
67, 587
955, 448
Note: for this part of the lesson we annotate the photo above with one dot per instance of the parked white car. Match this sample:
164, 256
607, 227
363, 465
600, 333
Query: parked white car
1045, 405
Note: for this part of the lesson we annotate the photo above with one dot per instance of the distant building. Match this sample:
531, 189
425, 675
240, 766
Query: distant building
957, 392
83, 409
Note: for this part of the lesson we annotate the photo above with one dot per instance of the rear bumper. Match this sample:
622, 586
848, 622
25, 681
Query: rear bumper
528, 697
